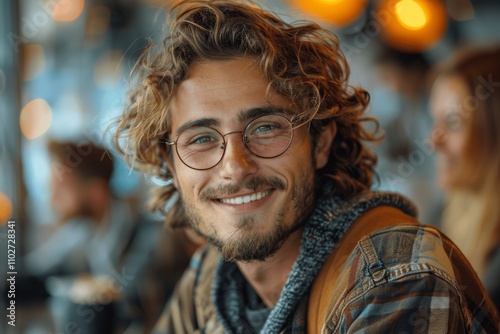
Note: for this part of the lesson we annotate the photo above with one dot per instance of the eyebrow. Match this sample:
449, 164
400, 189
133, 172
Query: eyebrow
243, 116
249, 114
198, 122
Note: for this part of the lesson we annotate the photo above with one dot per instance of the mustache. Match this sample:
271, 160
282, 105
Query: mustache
258, 183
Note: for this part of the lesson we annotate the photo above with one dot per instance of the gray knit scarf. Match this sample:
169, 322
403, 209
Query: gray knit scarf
330, 219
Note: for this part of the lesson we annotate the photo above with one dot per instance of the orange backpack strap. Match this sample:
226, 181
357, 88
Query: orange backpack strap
322, 288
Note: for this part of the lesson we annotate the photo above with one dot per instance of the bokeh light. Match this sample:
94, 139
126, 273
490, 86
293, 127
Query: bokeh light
68, 10
34, 63
411, 14
5, 208
338, 12
35, 118
412, 25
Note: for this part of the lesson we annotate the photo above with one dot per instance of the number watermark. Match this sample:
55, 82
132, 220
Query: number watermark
11, 273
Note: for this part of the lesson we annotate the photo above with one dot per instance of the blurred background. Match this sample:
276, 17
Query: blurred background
63, 71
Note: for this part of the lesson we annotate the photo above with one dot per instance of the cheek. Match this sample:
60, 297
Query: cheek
299, 170
301, 148
190, 181
455, 144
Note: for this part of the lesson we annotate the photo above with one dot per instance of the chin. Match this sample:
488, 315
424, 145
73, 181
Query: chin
252, 244
447, 182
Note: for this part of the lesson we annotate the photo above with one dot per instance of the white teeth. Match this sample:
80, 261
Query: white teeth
245, 199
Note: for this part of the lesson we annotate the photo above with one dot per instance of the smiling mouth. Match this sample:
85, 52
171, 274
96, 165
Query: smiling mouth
245, 199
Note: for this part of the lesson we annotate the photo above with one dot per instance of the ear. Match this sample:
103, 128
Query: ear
324, 144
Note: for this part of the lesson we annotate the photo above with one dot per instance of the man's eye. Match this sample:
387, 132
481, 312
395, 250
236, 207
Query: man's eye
203, 139
265, 128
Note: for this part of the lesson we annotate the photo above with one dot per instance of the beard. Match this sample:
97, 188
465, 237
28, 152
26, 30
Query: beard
250, 244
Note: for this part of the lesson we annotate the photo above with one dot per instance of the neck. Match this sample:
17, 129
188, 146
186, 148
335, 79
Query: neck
268, 277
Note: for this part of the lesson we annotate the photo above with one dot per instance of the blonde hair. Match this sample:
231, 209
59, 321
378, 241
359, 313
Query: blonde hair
303, 62
472, 217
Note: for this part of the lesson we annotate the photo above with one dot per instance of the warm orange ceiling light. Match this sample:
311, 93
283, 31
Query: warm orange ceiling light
5, 208
412, 25
68, 10
339, 12
411, 14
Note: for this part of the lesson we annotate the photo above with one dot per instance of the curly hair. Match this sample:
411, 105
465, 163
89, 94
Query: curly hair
301, 61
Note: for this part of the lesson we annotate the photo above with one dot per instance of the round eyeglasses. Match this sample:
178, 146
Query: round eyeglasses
203, 147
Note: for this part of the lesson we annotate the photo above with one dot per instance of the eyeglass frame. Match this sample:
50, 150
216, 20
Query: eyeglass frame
244, 139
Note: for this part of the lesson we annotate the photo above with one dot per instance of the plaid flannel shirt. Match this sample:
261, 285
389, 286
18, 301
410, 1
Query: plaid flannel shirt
406, 278
409, 279
427, 286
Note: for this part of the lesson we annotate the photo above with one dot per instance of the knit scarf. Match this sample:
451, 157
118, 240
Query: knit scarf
328, 222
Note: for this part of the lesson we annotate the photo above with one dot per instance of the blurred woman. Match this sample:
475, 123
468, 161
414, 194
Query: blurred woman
465, 103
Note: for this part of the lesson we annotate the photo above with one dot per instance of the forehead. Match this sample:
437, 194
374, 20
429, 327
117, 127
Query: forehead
64, 179
222, 90
449, 93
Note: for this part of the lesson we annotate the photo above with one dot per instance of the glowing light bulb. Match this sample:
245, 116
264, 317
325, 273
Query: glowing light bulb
339, 12
331, 2
412, 25
411, 14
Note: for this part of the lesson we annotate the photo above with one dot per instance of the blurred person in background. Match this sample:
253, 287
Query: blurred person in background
94, 226
401, 153
92, 233
84, 205
465, 103
103, 264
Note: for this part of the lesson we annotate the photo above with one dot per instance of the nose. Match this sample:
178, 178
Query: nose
437, 137
238, 162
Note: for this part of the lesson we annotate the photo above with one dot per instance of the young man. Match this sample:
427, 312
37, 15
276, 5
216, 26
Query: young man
253, 121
